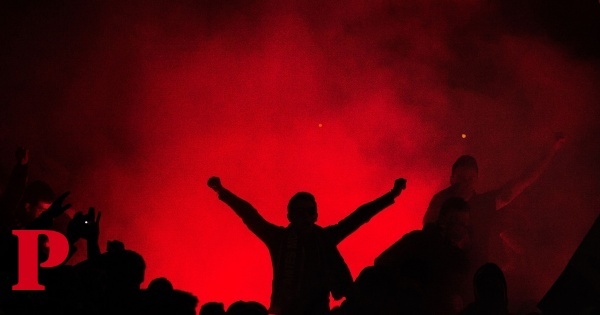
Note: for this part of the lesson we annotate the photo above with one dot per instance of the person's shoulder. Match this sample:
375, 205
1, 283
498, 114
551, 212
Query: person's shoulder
407, 238
485, 197
413, 235
444, 193
438, 199
272, 230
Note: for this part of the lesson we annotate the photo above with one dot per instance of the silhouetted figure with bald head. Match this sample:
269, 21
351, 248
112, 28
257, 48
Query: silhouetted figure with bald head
306, 263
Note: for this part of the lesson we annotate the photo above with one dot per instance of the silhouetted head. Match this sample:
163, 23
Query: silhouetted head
37, 198
125, 269
490, 287
181, 303
160, 285
464, 176
302, 209
455, 222
212, 308
247, 308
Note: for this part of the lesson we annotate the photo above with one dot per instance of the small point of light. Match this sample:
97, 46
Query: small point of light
85, 222
464, 135
320, 125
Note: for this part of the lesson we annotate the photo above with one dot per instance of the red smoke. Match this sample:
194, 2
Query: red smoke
134, 106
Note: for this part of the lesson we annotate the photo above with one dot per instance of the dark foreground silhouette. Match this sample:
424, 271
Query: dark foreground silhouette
425, 272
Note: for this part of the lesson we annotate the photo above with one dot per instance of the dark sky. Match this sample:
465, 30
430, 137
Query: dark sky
133, 105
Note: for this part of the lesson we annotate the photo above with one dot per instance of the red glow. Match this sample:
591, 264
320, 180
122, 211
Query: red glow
150, 99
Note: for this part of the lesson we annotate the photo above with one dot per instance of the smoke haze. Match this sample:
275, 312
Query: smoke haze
133, 106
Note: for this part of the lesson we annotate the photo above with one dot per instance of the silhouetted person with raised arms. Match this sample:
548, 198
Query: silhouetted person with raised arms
484, 218
306, 263
22, 202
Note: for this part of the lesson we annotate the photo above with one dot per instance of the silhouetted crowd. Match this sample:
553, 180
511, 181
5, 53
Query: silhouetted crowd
444, 268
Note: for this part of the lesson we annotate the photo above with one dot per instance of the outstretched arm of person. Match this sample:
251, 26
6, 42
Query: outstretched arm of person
249, 215
365, 212
44, 221
514, 188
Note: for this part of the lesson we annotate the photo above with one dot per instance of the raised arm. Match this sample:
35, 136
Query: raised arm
86, 226
365, 212
44, 220
514, 188
249, 215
